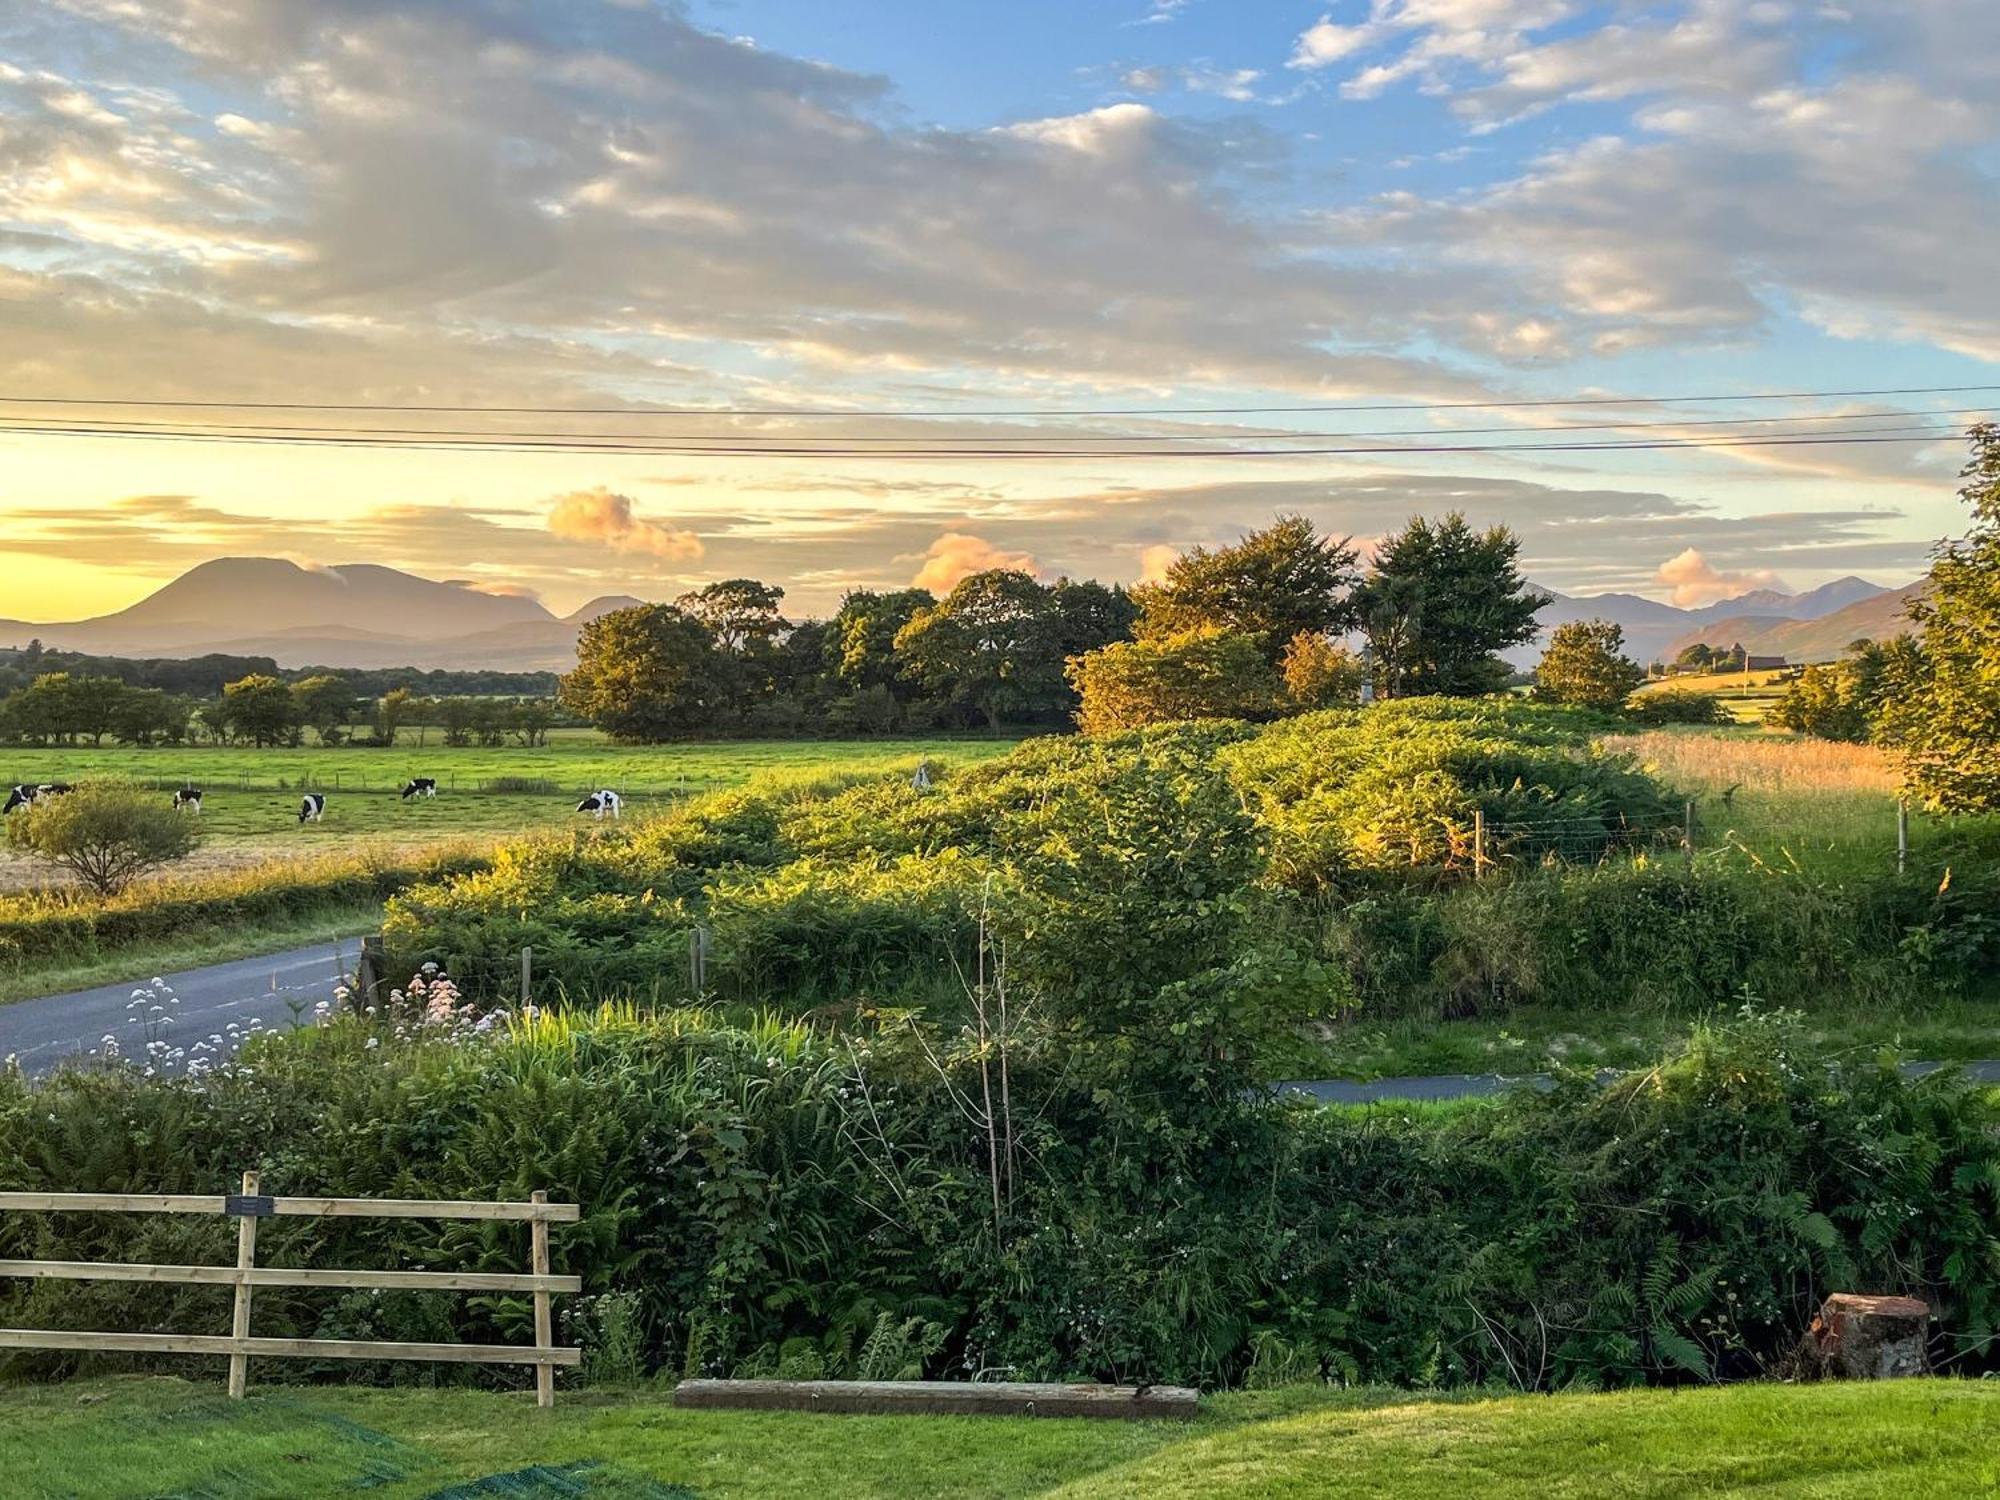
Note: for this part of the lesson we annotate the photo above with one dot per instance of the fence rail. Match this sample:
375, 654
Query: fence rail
247, 1208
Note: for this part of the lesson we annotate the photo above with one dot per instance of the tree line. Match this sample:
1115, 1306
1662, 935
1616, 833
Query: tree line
205, 676
263, 709
1243, 631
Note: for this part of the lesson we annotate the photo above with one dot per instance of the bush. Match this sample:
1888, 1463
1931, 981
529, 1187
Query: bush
1676, 706
779, 1199
1205, 673
105, 833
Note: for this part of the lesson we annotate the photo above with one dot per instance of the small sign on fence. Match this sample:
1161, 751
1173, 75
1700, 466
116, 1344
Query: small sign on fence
250, 1206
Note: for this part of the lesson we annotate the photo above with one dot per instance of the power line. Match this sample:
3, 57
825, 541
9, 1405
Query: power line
1103, 411
685, 450
138, 427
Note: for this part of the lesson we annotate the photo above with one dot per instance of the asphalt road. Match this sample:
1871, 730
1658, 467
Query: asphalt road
42, 1032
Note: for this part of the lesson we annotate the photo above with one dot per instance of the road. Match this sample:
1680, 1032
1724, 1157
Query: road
1442, 1086
42, 1032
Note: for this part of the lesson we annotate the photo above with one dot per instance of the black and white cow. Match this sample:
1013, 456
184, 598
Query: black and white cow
27, 795
312, 807
188, 799
601, 803
420, 786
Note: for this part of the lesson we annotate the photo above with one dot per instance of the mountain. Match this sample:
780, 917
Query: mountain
1655, 631
351, 615
1874, 617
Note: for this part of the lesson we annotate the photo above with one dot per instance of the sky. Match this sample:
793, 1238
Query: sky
912, 213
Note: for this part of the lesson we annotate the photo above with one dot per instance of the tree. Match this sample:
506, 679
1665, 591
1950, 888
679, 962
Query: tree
1845, 699
1585, 665
1207, 673
58, 708
457, 716
1320, 672
151, 716
390, 710
531, 720
1696, 658
645, 674
1440, 603
741, 614
326, 704
992, 646
262, 710
1944, 711
1272, 585
105, 833
862, 637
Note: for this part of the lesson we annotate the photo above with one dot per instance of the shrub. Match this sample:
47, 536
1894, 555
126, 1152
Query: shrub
105, 833
1204, 673
1676, 706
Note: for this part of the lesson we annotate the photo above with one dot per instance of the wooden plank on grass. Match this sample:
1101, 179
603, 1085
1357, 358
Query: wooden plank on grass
941, 1398
190, 1343
415, 1281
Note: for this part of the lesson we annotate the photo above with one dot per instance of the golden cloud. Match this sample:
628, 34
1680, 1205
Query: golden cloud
955, 556
1694, 581
600, 515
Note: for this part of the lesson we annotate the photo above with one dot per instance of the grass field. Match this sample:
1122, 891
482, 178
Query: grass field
251, 801
157, 1437
1747, 695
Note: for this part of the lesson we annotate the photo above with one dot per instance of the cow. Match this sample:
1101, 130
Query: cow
188, 799
601, 802
28, 794
420, 786
19, 796
312, 807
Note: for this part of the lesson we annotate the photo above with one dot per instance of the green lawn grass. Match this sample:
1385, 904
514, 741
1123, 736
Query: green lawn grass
158, 1437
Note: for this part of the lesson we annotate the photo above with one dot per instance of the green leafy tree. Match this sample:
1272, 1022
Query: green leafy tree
458, 717
1696, 658
326, 706
61, 708
1846, 699
151, 716
1208, 673
861, 639
531, 720
1944, 711
1272, 585
1320, 672
1441, 602
1585, 665
645, 674
390, 711
992, 647
262, 710
105, 833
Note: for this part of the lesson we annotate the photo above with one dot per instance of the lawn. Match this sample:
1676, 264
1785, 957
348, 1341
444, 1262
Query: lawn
159, 1437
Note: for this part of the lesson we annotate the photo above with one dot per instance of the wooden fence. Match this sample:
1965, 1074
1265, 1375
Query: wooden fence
247, 1209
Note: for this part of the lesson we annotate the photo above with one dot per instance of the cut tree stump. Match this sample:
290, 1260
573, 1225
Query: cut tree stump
942, 1398
1870, 1338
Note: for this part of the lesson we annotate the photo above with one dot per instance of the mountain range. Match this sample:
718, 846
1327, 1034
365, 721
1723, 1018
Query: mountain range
352, 615
364, 615
1813, 626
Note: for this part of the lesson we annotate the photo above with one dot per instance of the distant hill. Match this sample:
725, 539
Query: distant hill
1656, 631
1876, 617
351, 615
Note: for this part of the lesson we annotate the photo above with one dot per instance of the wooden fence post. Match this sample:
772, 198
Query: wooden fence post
1687, 834
538, 1244
527, 977
1902, 834
246, 1259
1479, 843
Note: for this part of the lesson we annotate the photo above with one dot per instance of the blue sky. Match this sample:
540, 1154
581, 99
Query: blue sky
906, 206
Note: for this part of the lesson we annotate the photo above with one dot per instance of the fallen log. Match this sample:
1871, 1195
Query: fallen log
942, 1398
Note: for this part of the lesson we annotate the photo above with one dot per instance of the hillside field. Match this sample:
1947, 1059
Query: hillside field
1747, 695
1923, 1439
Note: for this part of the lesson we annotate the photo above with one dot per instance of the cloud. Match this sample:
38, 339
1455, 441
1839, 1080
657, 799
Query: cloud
598, 515
1691, 580
1154, 561
1325, 43
956, 556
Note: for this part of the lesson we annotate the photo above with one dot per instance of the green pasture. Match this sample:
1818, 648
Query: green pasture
1747, 695
574, 761
168, 1439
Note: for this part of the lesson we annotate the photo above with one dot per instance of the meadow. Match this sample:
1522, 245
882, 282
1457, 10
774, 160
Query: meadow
1923, 1440
1747, 695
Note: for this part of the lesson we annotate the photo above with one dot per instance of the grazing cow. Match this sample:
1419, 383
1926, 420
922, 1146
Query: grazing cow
52, 789
19, 796
188, 799
420, 786
600, 803
312, 807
